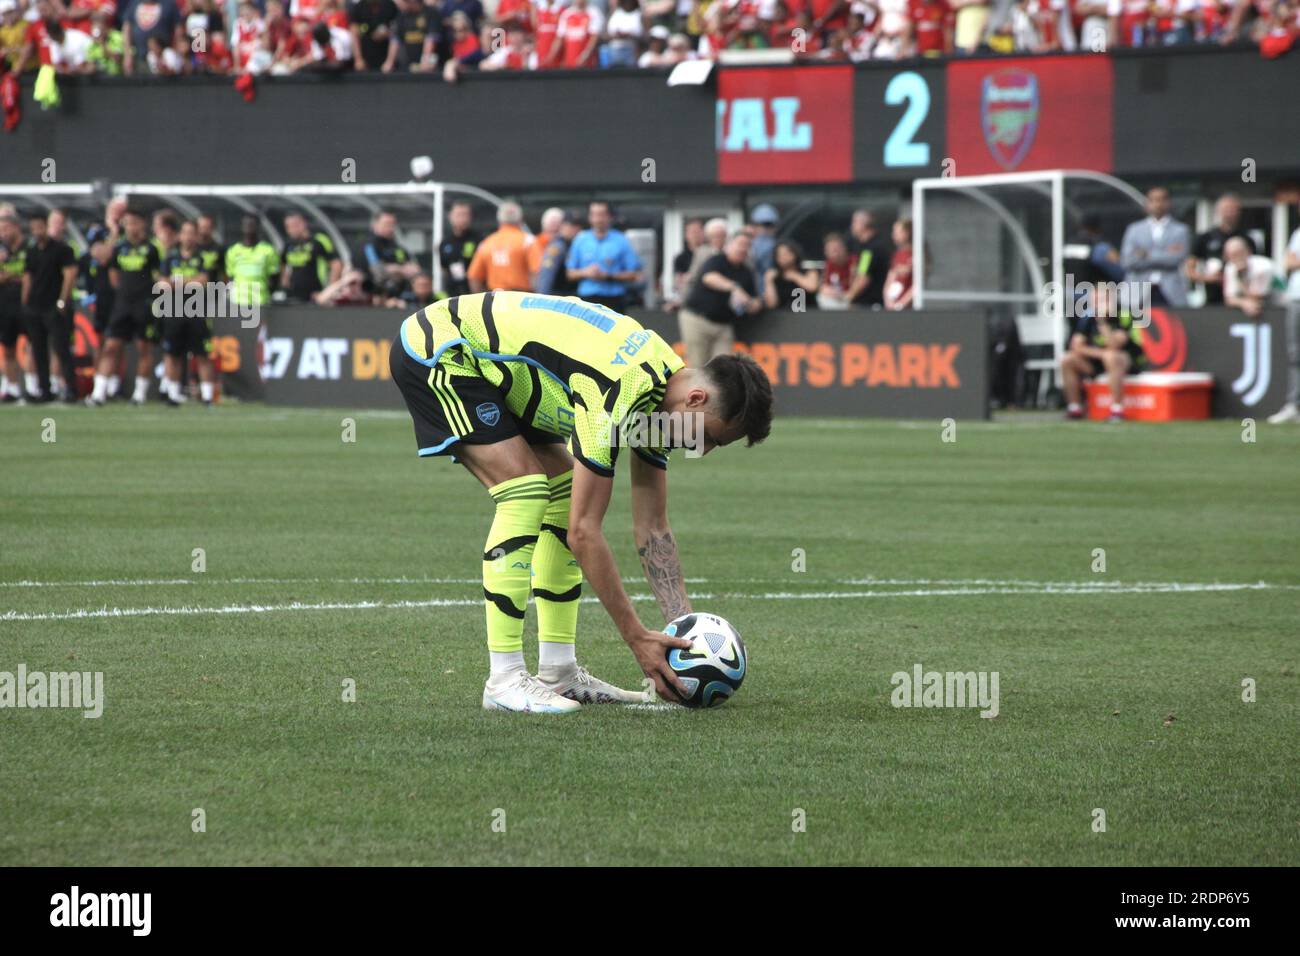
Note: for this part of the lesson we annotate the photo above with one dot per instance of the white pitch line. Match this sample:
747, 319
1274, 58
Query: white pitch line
187, 611
169, 582
190, 611
1103, 585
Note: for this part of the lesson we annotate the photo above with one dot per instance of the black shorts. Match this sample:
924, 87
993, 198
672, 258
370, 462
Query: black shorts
187, 335
134, 322
11, 326
449, 409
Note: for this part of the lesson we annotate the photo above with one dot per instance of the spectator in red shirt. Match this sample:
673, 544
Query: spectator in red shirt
247, 33
333, 15
837, 274
932, 27
466, 50
797, 34
38, 40
579, 31
309, 10
278, 27
829, 15
515, 54
898, 284
77, 13
514, 13
295, 52
1279, 32
546, 17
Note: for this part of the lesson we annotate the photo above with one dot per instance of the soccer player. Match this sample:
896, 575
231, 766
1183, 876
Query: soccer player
184, 334
501, 380
251, 264
133, 270
310, 261
13, 257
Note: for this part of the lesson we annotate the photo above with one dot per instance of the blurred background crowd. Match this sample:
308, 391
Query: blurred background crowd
256, 37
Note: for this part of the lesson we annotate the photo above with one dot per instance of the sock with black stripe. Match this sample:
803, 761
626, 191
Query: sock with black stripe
557, 581
507, 565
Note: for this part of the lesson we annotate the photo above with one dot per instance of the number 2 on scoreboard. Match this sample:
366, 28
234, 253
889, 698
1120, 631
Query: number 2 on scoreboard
900, 150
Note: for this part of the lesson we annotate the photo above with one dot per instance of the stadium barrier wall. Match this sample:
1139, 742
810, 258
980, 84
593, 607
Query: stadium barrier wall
828, 363
1134, 113
1246, 356
914, 365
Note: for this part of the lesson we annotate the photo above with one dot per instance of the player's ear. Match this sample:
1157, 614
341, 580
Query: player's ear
697, 397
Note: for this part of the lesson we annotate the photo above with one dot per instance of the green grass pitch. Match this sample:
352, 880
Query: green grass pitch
329, 561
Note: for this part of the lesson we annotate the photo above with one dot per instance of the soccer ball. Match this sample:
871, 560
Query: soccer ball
713, 667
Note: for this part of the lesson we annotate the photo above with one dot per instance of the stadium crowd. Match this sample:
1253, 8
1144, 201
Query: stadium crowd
258, 37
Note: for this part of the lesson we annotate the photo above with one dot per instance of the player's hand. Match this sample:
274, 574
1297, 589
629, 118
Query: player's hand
650, 648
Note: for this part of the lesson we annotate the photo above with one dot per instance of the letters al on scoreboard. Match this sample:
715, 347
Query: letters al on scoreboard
783, 125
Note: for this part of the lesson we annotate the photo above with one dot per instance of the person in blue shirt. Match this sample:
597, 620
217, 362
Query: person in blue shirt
602, 261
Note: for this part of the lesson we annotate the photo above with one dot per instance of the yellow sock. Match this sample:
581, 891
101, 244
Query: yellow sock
557, 579
507, 558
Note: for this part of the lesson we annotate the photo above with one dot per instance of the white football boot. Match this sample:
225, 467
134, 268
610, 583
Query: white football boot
523, 693
577, 684
1287, 414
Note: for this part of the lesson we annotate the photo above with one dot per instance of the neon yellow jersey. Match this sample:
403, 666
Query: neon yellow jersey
565, 366
251, 269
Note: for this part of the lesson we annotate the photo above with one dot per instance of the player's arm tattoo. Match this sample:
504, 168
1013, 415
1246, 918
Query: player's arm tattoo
663, 571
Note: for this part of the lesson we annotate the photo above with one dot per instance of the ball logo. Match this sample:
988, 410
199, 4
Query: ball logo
488, 413
1009, 114
1165, 342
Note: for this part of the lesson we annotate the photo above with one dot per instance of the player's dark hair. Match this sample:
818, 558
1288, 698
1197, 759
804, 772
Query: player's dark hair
744, 394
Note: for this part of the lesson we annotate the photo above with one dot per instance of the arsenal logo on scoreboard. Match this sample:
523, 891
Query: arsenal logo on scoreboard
1030, 113
1009, 112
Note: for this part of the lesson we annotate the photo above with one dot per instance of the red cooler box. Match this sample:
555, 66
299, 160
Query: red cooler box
1155, 396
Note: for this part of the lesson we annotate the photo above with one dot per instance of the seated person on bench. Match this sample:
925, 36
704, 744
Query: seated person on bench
1104, 340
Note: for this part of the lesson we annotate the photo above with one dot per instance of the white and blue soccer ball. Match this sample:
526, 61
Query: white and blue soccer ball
713, 667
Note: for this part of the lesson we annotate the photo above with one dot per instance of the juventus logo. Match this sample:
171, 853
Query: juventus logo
1256, 360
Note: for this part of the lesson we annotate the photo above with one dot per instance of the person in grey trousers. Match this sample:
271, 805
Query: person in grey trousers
1290, 413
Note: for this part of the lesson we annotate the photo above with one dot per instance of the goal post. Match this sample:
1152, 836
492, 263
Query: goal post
998, 242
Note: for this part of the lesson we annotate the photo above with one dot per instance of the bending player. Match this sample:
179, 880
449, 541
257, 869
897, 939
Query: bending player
502, 379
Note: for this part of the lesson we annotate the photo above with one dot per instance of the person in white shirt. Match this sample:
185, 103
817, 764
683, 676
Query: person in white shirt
1247, 279
1290, 412
624, 27
70, 53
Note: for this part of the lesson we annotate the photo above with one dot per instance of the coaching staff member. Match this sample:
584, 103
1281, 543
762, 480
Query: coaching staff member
725, 291
602, 261
49, 274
